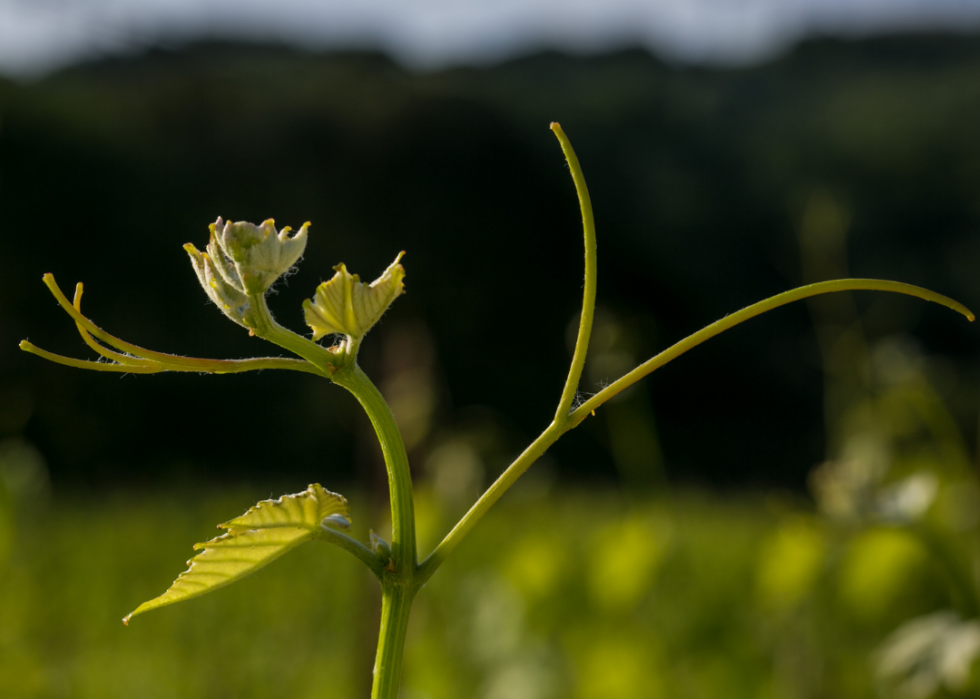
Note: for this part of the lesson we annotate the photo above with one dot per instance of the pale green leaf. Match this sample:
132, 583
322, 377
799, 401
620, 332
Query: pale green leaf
258, 537
347, 306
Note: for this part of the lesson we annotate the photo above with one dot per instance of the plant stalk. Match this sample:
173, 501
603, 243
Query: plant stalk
398, 578
403, 554
265, 326
396, 606
559, 427
730, 321
500, 486
137, 360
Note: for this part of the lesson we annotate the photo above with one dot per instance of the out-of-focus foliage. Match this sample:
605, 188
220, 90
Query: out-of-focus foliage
900, 492
558, 594
77, 560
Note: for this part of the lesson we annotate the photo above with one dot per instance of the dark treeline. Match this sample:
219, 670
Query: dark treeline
700, 179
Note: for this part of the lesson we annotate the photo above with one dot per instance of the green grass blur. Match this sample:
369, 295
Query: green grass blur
869, 588
557, 594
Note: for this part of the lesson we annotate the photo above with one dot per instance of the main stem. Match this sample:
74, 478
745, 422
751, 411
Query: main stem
399, 579
396, 607
356, 381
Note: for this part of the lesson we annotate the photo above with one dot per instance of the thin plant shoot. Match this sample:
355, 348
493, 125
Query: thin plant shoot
237, 268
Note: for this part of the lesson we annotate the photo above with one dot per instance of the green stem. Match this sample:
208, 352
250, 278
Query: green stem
396, 462
206, 366
745, 314
372, 560
396, 606
588, 295
139, 360
398, 575
265, 326
398, 580
538, 447
557, 429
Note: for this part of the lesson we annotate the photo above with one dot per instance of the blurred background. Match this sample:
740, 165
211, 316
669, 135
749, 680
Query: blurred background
791, 510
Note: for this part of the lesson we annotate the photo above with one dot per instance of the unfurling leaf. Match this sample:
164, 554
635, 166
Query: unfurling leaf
255, 539
347, 306
243, 259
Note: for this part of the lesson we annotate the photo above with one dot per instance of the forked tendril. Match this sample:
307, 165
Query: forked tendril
132, 359
571, 413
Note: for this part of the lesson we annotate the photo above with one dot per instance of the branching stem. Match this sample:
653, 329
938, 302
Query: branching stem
398, 578
752, 311
375, 563
132, 359
265, 326
398, 575
557, 429
401, 575
566, 420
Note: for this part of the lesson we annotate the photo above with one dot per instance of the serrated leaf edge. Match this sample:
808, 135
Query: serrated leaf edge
251, 524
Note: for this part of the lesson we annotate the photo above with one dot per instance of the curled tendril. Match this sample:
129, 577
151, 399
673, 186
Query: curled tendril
131, 359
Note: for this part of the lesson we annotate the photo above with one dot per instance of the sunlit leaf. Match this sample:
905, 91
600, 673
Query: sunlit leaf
255, 539
347, 306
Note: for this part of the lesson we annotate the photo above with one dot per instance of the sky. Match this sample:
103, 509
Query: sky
37, 36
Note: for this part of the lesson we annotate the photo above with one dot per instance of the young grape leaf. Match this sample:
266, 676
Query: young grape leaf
255, 539
347, 306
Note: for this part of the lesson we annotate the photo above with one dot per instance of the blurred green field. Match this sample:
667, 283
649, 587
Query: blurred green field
869, 588
557, 594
